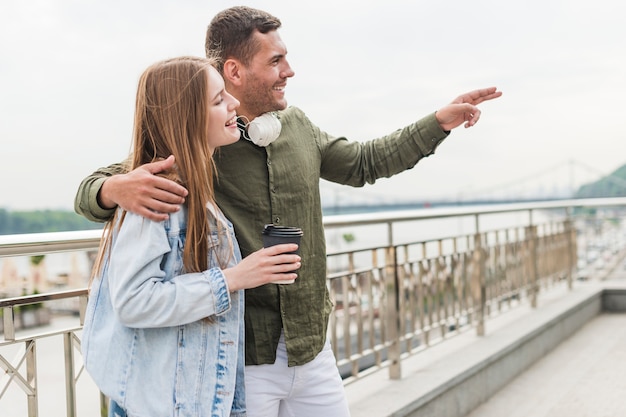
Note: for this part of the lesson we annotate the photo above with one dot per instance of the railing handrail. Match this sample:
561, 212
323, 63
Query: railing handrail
35, 243
38, 298
340, 220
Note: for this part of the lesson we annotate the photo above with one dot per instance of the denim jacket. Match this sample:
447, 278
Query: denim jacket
161, 342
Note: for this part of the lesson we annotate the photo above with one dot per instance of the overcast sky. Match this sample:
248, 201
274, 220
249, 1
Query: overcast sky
69, 71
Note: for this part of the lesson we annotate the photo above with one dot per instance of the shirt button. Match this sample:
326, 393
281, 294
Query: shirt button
269, 162
274, 189
277, 220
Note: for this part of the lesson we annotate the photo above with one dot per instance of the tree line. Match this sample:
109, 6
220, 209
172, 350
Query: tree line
612, 185
43, 221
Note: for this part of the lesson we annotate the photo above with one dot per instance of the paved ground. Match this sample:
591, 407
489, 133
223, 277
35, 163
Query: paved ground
585, 376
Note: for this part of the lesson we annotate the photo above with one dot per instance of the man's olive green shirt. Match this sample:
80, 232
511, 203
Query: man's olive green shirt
280, 184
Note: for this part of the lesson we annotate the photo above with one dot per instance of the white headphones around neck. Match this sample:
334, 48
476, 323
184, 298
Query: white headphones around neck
262, 130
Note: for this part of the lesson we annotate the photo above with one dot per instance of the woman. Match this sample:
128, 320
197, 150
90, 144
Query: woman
163, 333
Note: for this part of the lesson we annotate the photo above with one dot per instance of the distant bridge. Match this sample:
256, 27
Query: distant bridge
421, 204
525, 189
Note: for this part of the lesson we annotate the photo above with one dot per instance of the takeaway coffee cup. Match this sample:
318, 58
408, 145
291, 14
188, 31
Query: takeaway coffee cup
275, 235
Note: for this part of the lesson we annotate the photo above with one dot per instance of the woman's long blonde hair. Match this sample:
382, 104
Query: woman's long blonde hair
171, 118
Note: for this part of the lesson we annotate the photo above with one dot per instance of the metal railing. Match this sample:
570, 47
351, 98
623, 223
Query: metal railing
395, 297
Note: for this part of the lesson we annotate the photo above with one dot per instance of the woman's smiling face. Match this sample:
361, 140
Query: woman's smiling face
222, 129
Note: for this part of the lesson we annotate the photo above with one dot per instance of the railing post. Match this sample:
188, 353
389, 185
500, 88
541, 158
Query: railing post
479, 284
570, 231
82, 307
70, 385
440, 279
531, 238
393, 310
421, 298
8, 317
345, 291
31, 378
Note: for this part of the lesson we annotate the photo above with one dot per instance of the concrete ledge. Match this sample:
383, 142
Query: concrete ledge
454, 377
614, 300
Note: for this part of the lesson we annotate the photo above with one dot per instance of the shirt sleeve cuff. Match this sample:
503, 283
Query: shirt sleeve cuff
430, 134
94, 207
217, 280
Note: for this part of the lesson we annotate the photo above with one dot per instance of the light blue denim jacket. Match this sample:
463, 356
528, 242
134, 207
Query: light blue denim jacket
147, 342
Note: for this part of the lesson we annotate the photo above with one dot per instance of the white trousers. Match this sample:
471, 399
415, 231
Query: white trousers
314, 389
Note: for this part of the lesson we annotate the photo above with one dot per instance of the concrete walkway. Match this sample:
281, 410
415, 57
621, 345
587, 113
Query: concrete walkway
584, 376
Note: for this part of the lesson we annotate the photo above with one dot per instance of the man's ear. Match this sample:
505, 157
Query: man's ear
233, 72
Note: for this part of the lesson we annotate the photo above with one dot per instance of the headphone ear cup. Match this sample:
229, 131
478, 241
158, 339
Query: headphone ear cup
264, 129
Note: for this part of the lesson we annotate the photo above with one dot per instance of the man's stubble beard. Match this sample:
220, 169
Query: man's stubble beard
260, 98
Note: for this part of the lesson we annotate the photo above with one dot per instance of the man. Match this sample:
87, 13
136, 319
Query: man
290, 366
